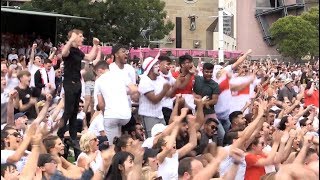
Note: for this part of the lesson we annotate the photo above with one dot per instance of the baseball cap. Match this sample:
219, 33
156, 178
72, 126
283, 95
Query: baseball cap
148, 63
19, 115
44, 158
149, 153
157, 128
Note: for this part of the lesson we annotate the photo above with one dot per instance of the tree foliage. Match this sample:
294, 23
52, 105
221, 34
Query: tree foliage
294, 36
313, 17
115, 21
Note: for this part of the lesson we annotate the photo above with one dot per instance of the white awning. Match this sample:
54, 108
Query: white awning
19, 11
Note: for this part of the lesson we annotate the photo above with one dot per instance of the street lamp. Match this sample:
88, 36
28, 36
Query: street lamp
222, 13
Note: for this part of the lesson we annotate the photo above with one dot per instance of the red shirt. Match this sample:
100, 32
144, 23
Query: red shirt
254, 172
224, 84
189, 86
313, 99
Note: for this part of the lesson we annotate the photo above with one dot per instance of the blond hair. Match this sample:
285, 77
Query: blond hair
85, 141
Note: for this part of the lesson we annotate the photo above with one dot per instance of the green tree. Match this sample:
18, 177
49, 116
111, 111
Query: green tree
115, 21
294, 36
313, 17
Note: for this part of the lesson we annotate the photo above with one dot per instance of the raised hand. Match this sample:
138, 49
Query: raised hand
166, 86
96, 41
184, 112
13, 94
34, 46
308, 140
249, 51
193, 70
48, 97
138, 151
237, 155
31, 130
33, 100
180, 100
73, 37
36, 139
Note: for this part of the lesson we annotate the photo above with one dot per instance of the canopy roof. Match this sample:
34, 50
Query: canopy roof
11, 10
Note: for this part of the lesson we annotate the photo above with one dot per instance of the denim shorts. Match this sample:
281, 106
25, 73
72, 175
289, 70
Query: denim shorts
89, 88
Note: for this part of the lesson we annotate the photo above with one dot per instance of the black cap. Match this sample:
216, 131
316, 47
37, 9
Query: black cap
44, 158
18, 115
149, 153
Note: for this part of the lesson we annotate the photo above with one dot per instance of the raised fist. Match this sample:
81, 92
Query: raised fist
96, 41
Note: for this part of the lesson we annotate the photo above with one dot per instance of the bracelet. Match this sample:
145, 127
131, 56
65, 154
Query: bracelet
35, 145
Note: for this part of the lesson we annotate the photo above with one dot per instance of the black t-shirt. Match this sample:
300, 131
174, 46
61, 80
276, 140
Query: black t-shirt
202, 143
72, 65
24, 96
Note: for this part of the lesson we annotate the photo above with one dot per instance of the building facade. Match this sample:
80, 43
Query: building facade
193, 26
254, 21
230, 25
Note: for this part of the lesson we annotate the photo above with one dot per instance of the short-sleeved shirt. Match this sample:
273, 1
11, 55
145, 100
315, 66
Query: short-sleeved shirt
5, 154
254, 172
24, 96
146, 107
203, 88
311, 100
72, 65
286, 92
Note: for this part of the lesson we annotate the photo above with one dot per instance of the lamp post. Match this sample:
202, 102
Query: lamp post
220, 16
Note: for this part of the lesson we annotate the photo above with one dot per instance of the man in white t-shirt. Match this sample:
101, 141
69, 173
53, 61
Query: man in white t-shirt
9, 153
222, 76
112, 90
167, 102
34, 64
13, 55
120, 63
153, 88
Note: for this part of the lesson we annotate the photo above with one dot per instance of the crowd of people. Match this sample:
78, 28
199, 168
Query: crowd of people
71, 115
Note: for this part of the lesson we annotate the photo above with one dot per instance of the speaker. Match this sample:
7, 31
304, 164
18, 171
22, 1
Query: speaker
178, 32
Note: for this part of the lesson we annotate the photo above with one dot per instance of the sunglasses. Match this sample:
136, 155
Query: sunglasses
214, 127
15, 134
95, 139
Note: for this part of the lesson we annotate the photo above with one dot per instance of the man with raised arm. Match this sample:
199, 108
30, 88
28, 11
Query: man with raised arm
72, 57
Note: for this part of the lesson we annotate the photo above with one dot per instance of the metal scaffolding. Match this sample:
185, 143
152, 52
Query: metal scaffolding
279, 8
